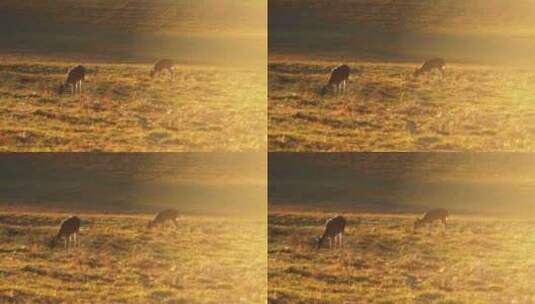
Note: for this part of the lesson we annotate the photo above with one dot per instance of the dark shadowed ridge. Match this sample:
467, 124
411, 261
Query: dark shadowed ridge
139, 30
208, 183
483, 32
403, 182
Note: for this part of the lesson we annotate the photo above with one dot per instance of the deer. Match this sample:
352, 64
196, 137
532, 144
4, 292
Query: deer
163, 65
338, 79
430, 65
334, 229
431, 216
68, 230
164, 216
75, 78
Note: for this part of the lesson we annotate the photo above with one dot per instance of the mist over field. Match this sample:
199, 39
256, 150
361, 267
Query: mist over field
481, 254
215, 248
481, 102
214, 100
487, 183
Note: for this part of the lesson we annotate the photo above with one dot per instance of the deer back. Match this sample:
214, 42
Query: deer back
334, 226
69, 226
75, 74
435, 214
163, 64
435, 63
339, 74
165, 215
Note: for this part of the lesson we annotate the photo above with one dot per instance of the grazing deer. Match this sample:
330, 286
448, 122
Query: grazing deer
68, 230
334, 229
75, 78
161, 66
430, 65
338, 79
432, 215
164, 216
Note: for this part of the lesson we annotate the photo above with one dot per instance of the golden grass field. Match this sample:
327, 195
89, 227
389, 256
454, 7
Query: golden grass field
205, 260
474, 108
478, 260
204, 108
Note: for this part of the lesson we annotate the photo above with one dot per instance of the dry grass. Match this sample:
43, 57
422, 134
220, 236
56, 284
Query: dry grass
205, 260
472, 108
203, 109
478, 260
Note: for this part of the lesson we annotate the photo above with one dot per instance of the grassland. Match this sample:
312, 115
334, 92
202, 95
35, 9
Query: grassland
478, 260
204, 108
475, 108
205, 260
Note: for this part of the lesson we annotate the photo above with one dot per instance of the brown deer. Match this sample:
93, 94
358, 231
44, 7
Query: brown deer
163, 65
68, 230
75, 78
164, 216
338, 79
334, 229
430, 65
432, 215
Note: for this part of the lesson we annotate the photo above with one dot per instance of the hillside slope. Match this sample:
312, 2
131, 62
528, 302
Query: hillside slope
146, 15
213, 183
501, 183
204, 31
405, 15
473, 31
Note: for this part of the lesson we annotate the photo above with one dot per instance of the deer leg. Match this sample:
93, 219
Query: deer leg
81, 86
444, 221
330, 243
341, 240
335, 241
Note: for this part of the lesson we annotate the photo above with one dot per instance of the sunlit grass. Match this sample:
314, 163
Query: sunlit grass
478, 260
205, 260
472, 108
202, 109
